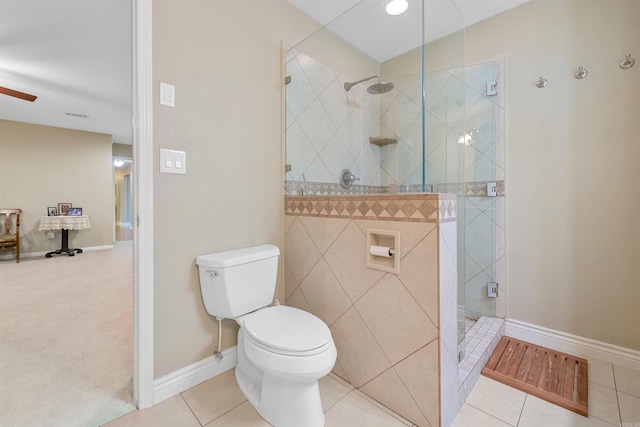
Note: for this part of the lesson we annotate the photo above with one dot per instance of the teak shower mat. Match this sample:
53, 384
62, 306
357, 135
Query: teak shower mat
556, 377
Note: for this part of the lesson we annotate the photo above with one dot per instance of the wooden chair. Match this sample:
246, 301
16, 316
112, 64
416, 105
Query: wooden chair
10, 234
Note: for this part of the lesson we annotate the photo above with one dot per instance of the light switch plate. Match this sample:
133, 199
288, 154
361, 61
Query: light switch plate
167, 94
173, 161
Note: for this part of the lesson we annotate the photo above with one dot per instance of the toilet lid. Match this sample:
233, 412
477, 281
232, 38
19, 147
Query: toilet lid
287, 328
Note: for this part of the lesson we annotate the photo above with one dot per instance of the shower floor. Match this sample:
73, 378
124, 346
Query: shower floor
468, 324
481, 339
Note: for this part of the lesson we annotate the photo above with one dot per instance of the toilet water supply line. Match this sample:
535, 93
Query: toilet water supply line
218, 354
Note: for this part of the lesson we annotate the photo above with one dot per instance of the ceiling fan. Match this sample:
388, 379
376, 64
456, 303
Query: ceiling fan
17, 94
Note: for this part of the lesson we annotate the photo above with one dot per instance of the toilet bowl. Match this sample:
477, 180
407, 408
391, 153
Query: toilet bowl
282, 351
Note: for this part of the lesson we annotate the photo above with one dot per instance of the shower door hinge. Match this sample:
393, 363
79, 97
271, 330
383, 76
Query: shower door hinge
492, 88
287, 80
491, 189
492, 290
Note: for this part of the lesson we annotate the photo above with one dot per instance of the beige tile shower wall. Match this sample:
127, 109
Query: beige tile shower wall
395, 343
328, 129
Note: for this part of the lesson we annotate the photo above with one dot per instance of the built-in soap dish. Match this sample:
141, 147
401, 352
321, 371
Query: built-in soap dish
383, 250
381, 141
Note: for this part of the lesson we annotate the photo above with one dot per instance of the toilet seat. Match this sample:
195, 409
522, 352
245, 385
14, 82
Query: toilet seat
288, 331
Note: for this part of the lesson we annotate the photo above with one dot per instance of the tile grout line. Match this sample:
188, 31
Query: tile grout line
615, 387
491, 415
526, 397
382, 407
209, 422
190, 409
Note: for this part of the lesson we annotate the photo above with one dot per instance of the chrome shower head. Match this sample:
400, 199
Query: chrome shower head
380, 88
375, 89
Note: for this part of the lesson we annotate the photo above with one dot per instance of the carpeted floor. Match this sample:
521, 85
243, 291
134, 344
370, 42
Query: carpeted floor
66, 339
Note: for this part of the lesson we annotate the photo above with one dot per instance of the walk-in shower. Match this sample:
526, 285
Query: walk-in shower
437, 128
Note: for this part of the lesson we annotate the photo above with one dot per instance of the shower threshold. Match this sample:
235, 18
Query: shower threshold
480, 342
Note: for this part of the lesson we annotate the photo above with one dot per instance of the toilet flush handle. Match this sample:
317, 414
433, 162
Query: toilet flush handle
213, 273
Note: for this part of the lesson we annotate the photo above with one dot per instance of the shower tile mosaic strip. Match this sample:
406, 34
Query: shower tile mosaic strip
433, 208
292, 188
469, 189
466, 189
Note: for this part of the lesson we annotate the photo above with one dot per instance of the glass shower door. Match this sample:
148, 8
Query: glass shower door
461, 157
483, 184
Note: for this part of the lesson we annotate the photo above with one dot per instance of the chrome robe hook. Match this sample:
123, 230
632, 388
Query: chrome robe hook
627, 62
542, 82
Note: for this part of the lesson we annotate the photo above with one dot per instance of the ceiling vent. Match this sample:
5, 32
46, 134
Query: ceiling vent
82, 116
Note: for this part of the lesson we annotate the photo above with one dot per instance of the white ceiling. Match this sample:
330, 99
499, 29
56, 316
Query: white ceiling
365, 25
75, 55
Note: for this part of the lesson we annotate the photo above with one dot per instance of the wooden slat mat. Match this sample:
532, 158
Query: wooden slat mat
556, 377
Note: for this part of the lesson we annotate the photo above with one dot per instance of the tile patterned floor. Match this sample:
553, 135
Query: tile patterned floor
220, 403
614, 400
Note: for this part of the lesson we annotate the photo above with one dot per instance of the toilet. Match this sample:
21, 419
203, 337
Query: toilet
282, 351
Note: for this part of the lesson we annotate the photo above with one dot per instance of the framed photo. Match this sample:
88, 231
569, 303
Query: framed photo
52, 211
75, 211
63, 208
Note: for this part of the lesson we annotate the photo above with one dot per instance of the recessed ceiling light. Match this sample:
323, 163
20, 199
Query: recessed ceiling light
396, 7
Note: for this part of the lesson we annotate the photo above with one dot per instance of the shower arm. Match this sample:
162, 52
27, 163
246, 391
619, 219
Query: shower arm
348, 86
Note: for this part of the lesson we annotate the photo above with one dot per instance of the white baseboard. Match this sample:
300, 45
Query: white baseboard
12, 255
573, 344
192, 375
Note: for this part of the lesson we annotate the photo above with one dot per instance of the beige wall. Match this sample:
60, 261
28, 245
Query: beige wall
570, 252
330, 49
572, 164
41, 166
571, 160
122, 150
225, 60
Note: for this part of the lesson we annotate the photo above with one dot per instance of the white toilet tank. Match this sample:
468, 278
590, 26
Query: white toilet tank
240, 281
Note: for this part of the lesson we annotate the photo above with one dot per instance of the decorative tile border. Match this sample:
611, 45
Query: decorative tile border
293, 188
467, 189
435, 208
